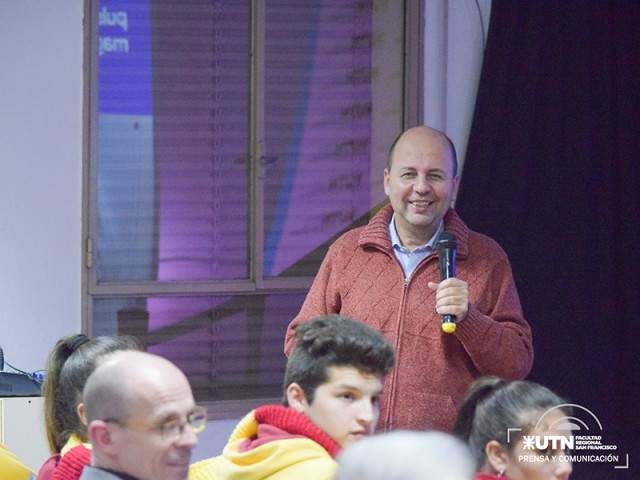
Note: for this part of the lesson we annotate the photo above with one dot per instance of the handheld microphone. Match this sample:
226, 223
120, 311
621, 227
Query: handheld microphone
446, 247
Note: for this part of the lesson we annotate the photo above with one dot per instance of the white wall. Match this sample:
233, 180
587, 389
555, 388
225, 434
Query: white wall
40, 176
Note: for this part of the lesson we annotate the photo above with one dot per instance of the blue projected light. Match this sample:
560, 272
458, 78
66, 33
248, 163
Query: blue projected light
124, 49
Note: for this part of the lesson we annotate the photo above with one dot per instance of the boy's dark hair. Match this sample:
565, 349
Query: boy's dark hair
335, 340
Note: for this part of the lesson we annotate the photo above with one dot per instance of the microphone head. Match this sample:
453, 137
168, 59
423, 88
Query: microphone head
447, 240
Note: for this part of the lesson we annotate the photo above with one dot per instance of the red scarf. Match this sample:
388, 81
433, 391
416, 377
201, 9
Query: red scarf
276, 422
72, 463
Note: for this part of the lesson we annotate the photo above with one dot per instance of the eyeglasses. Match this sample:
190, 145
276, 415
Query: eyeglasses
171, 430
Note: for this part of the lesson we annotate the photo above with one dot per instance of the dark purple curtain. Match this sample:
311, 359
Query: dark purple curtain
552, 173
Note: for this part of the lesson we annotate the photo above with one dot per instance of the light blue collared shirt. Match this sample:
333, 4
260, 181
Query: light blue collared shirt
408, 259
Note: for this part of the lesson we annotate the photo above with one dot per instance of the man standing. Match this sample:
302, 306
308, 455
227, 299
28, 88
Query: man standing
387, 275
332, 386
142, 419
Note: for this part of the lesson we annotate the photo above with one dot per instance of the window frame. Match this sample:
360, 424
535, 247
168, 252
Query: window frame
412, 100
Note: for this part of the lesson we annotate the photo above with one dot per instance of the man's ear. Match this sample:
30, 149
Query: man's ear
456, 185
496, 456
296, 398
385, 181
101, 437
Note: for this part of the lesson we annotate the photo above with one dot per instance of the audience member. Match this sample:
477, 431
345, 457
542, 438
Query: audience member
333, 382
407, 455
69, 364
387, 275
11, 468
494, 417
142, 419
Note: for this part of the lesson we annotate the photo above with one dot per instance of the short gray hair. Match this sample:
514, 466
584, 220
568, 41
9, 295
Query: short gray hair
405, 455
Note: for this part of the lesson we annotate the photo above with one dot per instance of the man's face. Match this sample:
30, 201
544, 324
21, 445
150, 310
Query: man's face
148, 453
346, 407
420, 184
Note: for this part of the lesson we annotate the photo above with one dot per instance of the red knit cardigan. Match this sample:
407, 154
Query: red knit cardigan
361, 278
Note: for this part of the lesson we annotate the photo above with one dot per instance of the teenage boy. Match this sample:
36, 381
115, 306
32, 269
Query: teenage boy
333, 383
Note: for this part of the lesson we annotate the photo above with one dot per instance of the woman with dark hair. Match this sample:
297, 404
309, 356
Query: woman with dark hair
69, 365
494, 418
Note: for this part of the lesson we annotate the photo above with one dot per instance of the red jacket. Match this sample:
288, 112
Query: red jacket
362, 279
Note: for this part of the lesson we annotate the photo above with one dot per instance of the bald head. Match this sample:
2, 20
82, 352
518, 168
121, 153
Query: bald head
139, 406
423, 135
127, 381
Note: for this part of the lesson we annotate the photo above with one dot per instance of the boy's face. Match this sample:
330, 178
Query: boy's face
346, 407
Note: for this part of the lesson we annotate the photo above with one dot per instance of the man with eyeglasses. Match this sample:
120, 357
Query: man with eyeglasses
332, 388
142, 419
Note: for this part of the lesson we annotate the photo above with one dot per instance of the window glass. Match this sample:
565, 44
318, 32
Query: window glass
173, 141
318, 66
229, 346
230, 143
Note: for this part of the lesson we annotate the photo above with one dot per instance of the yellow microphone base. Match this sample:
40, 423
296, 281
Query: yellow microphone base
448, 327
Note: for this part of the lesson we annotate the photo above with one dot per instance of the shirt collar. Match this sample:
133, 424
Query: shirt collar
395, 239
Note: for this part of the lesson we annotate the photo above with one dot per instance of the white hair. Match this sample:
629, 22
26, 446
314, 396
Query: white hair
405, 455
